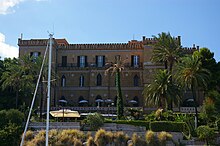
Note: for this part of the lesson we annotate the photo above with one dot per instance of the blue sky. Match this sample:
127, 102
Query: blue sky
97, 21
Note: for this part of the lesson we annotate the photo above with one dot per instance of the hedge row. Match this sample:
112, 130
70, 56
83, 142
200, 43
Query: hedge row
167, 126
156, 126
134, 122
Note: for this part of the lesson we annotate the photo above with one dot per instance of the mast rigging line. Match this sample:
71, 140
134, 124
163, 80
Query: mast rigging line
34, 96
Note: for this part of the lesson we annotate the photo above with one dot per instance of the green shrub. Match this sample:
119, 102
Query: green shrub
10, 126
94, 121
167, 126
3, 119
15, 116
218, 124
205, 133
10, 135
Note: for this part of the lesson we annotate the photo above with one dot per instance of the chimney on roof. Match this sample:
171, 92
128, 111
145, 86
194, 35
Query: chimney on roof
21, 36
179, 40
194, 46
144, 38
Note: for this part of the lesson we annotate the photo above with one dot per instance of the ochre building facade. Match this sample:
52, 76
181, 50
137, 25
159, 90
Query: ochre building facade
80, 70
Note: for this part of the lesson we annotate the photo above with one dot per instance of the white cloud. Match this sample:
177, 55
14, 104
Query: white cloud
7, 5
7, 50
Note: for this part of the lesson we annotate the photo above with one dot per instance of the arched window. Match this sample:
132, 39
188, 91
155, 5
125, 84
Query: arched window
136, 80
81, 81
63, 81
99, 80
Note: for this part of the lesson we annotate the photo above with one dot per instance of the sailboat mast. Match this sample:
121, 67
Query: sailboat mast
48, 88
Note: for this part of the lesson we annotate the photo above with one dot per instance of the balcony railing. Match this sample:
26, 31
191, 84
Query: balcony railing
113, 109
94, 66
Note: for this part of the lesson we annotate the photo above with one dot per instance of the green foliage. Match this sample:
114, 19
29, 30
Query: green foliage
160, 115
215, 96
10, 127
120, 104
10, 134
192, 76
117, 69
167, 126
134, 113
94, 121
208, 114
218, 124
161, 91
10, 116
209, 62
205, 133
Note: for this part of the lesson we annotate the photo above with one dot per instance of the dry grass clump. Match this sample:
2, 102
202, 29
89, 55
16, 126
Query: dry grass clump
151, 138
137, 140
29, 135
38, 140
100, 137
120, 138
90, 141
163, 137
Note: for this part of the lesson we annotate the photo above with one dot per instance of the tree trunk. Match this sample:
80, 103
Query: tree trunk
165, 64
195, 105
170, 107
16, 99
41, 98
120, 106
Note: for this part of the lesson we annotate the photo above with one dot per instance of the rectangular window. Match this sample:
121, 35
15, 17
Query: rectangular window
135, 60
35, 54
64, 61
82, 61
100, 61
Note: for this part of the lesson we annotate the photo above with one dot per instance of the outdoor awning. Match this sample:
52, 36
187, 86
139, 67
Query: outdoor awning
65, 113
83, 101
133, 101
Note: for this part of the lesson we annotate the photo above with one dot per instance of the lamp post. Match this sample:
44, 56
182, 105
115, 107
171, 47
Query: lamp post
63, 101
112, 108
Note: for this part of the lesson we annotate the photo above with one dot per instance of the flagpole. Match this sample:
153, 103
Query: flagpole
48, 88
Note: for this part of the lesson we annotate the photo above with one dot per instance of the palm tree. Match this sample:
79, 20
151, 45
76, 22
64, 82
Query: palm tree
15, 78
117, 69
192, 76
167, 50
158, 92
